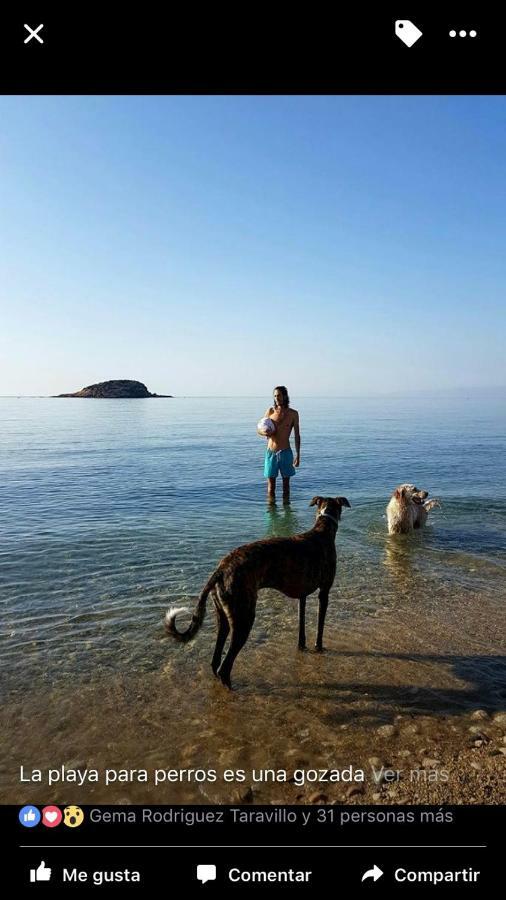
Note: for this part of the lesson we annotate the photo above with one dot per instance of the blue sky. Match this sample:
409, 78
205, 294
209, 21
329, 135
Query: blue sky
221, 245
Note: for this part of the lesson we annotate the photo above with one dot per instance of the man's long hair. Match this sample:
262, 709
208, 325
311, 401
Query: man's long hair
286, 398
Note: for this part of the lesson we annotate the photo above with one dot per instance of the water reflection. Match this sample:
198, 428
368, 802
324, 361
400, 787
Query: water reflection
281, 521
398, 559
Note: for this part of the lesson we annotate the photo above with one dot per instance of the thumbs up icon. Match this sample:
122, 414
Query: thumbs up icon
29, 816
40, 874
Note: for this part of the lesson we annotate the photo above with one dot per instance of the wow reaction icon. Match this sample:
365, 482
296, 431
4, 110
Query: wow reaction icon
73, 816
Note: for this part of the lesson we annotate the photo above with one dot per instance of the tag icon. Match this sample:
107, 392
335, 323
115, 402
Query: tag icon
407, 32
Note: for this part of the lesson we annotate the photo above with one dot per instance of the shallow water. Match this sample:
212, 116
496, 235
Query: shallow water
112, 510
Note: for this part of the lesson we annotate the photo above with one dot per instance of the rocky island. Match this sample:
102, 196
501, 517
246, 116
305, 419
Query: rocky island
112, 390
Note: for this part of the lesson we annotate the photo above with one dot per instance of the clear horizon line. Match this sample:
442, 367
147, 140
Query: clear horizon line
313, 396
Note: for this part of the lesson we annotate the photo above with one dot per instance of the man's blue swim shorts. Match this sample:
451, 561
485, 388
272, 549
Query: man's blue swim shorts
279, 463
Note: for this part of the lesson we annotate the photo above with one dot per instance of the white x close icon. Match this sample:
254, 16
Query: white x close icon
34, 33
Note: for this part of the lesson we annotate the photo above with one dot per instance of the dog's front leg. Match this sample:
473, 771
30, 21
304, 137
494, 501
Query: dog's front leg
323, 602
302, 623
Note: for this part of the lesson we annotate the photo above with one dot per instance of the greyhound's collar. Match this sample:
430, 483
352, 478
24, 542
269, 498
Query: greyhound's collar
328, 516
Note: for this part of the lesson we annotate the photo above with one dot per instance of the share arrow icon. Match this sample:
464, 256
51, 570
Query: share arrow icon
372, 873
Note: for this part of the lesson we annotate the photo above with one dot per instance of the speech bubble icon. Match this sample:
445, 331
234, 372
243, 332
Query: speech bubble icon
206, 873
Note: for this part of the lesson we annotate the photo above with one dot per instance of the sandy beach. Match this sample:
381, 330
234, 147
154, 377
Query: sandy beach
396, 692
122, 517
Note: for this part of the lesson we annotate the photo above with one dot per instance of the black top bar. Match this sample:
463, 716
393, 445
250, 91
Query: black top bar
260, 52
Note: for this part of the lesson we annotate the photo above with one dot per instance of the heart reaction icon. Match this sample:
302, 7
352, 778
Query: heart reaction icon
51, 816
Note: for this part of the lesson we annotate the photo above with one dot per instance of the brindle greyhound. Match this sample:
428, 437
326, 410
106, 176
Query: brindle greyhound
296, 566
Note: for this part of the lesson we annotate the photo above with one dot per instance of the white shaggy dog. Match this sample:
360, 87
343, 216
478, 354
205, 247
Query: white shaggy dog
408, 509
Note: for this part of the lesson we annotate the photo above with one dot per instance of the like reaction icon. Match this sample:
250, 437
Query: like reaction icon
29, 816
40, 874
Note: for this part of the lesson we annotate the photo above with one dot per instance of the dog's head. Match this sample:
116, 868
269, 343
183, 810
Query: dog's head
411, 493
331, 507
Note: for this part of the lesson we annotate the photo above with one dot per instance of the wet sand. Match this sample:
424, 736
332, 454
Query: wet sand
399, 686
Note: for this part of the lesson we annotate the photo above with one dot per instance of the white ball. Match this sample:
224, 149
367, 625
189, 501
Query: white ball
266, 427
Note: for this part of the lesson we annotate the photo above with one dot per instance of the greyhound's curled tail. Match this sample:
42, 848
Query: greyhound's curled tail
197, 617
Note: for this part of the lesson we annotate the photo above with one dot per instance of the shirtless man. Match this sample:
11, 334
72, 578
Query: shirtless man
278, 455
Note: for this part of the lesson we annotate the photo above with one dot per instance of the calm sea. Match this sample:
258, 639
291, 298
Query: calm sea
110, 510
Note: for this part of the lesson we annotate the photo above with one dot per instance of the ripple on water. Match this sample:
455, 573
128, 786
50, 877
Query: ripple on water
108, 516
